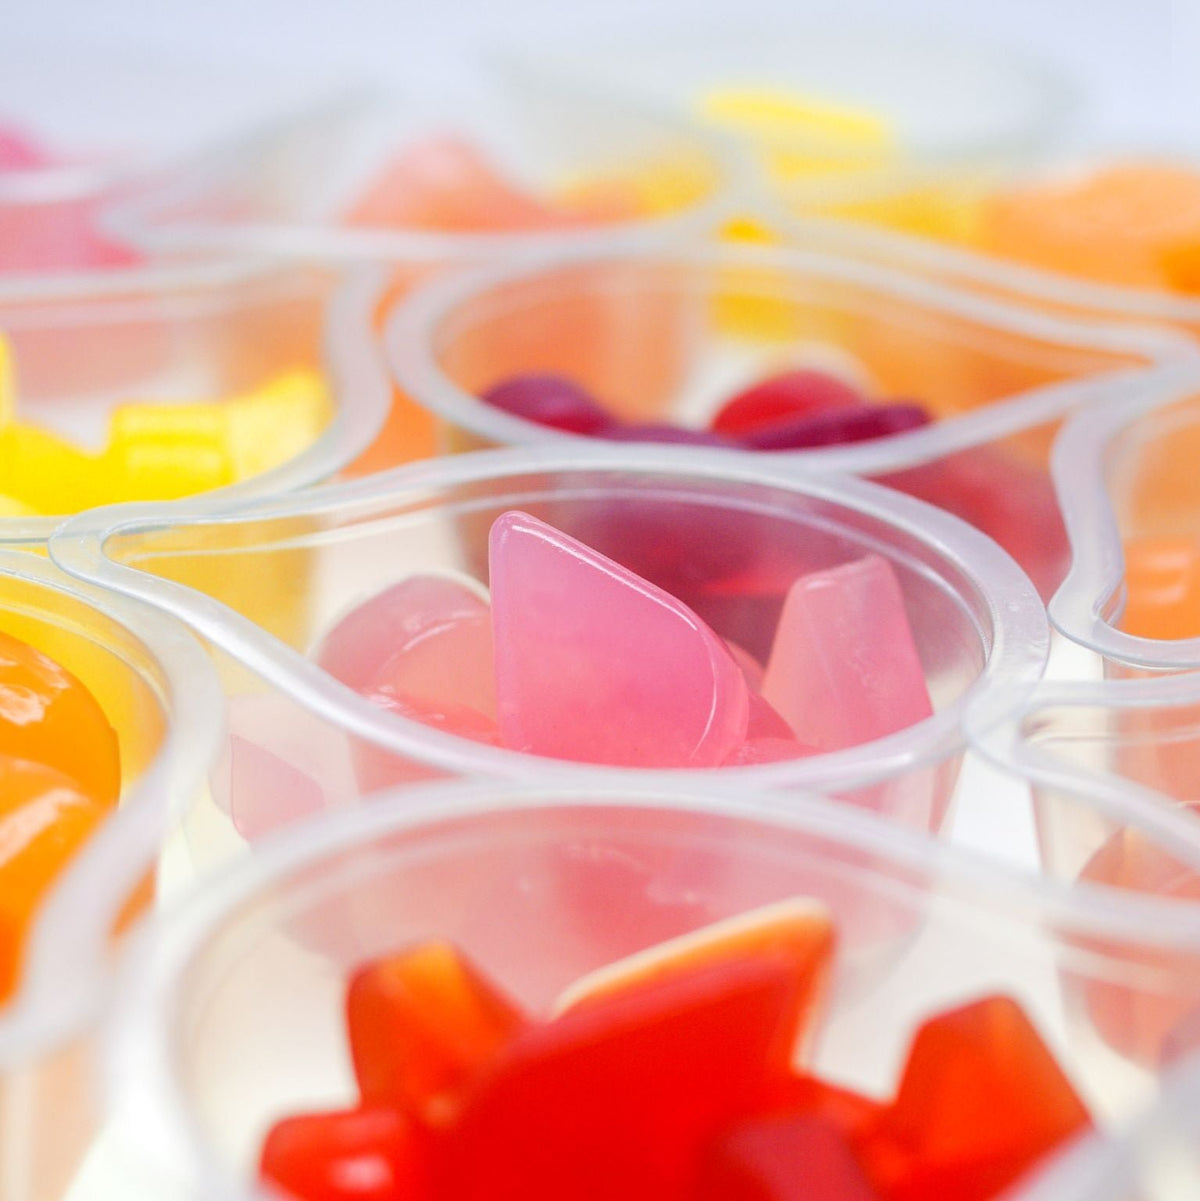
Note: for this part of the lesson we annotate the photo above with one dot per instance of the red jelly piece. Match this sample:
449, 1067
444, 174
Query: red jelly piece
863, 423
422, 1025
765, 721
369, 1154
803, 393
681, 434
616, 1098
981, 1100
854, 1114
551, 400
20, 153
791, 1158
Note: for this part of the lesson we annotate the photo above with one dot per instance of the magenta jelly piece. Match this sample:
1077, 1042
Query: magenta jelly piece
551, 400
666, 433
595, 664
428, 637
844, 667
862, 423
802, 393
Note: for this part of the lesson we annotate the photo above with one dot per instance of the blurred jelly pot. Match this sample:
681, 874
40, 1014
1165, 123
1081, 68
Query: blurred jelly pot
203, 333
231, 1018
159, 691
667, 335
1127, 483
1112, 767
727, 534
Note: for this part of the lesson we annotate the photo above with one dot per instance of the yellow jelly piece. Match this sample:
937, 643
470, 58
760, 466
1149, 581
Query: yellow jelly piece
159, 451
801, 135
277, 422
44, 473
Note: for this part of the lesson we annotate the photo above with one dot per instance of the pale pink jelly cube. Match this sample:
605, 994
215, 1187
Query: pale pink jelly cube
844, 667
428, 637
595, 664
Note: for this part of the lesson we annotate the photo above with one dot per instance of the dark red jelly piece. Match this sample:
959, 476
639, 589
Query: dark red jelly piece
802, 393
666, 433
862, 423
551, 400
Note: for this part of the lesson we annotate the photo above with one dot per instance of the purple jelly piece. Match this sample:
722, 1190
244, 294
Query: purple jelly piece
666, 433
551, 400
860, 423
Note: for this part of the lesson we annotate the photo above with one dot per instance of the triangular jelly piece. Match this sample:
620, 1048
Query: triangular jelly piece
844, 667
595, 664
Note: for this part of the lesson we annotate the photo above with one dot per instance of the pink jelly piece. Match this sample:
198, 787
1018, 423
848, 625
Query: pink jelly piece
447, 185
844, 667
752, 669
429, 637
284, 764
551, 400
801, 393
768, 750
764, 720
595, 664
666, 434
19, 152
862, 423
377, 768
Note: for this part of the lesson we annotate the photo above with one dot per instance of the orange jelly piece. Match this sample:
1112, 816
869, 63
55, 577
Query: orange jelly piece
44, 820
421, 1025
981, 1100
1162, 580
1135, 224
47, 716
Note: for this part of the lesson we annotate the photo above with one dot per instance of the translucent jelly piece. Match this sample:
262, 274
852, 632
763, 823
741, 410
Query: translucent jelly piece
1123, 224
1162, 581
788, 1158
799, 931
368, 1154
862, 423
44, 820
551, 400
284, 764
981, 1100
276, 422
445, 184
47, 716
854, 1114
422, 1025
792, 394
428, 637
666, 434
765, 721
597, 665
844, 667
616, 1098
